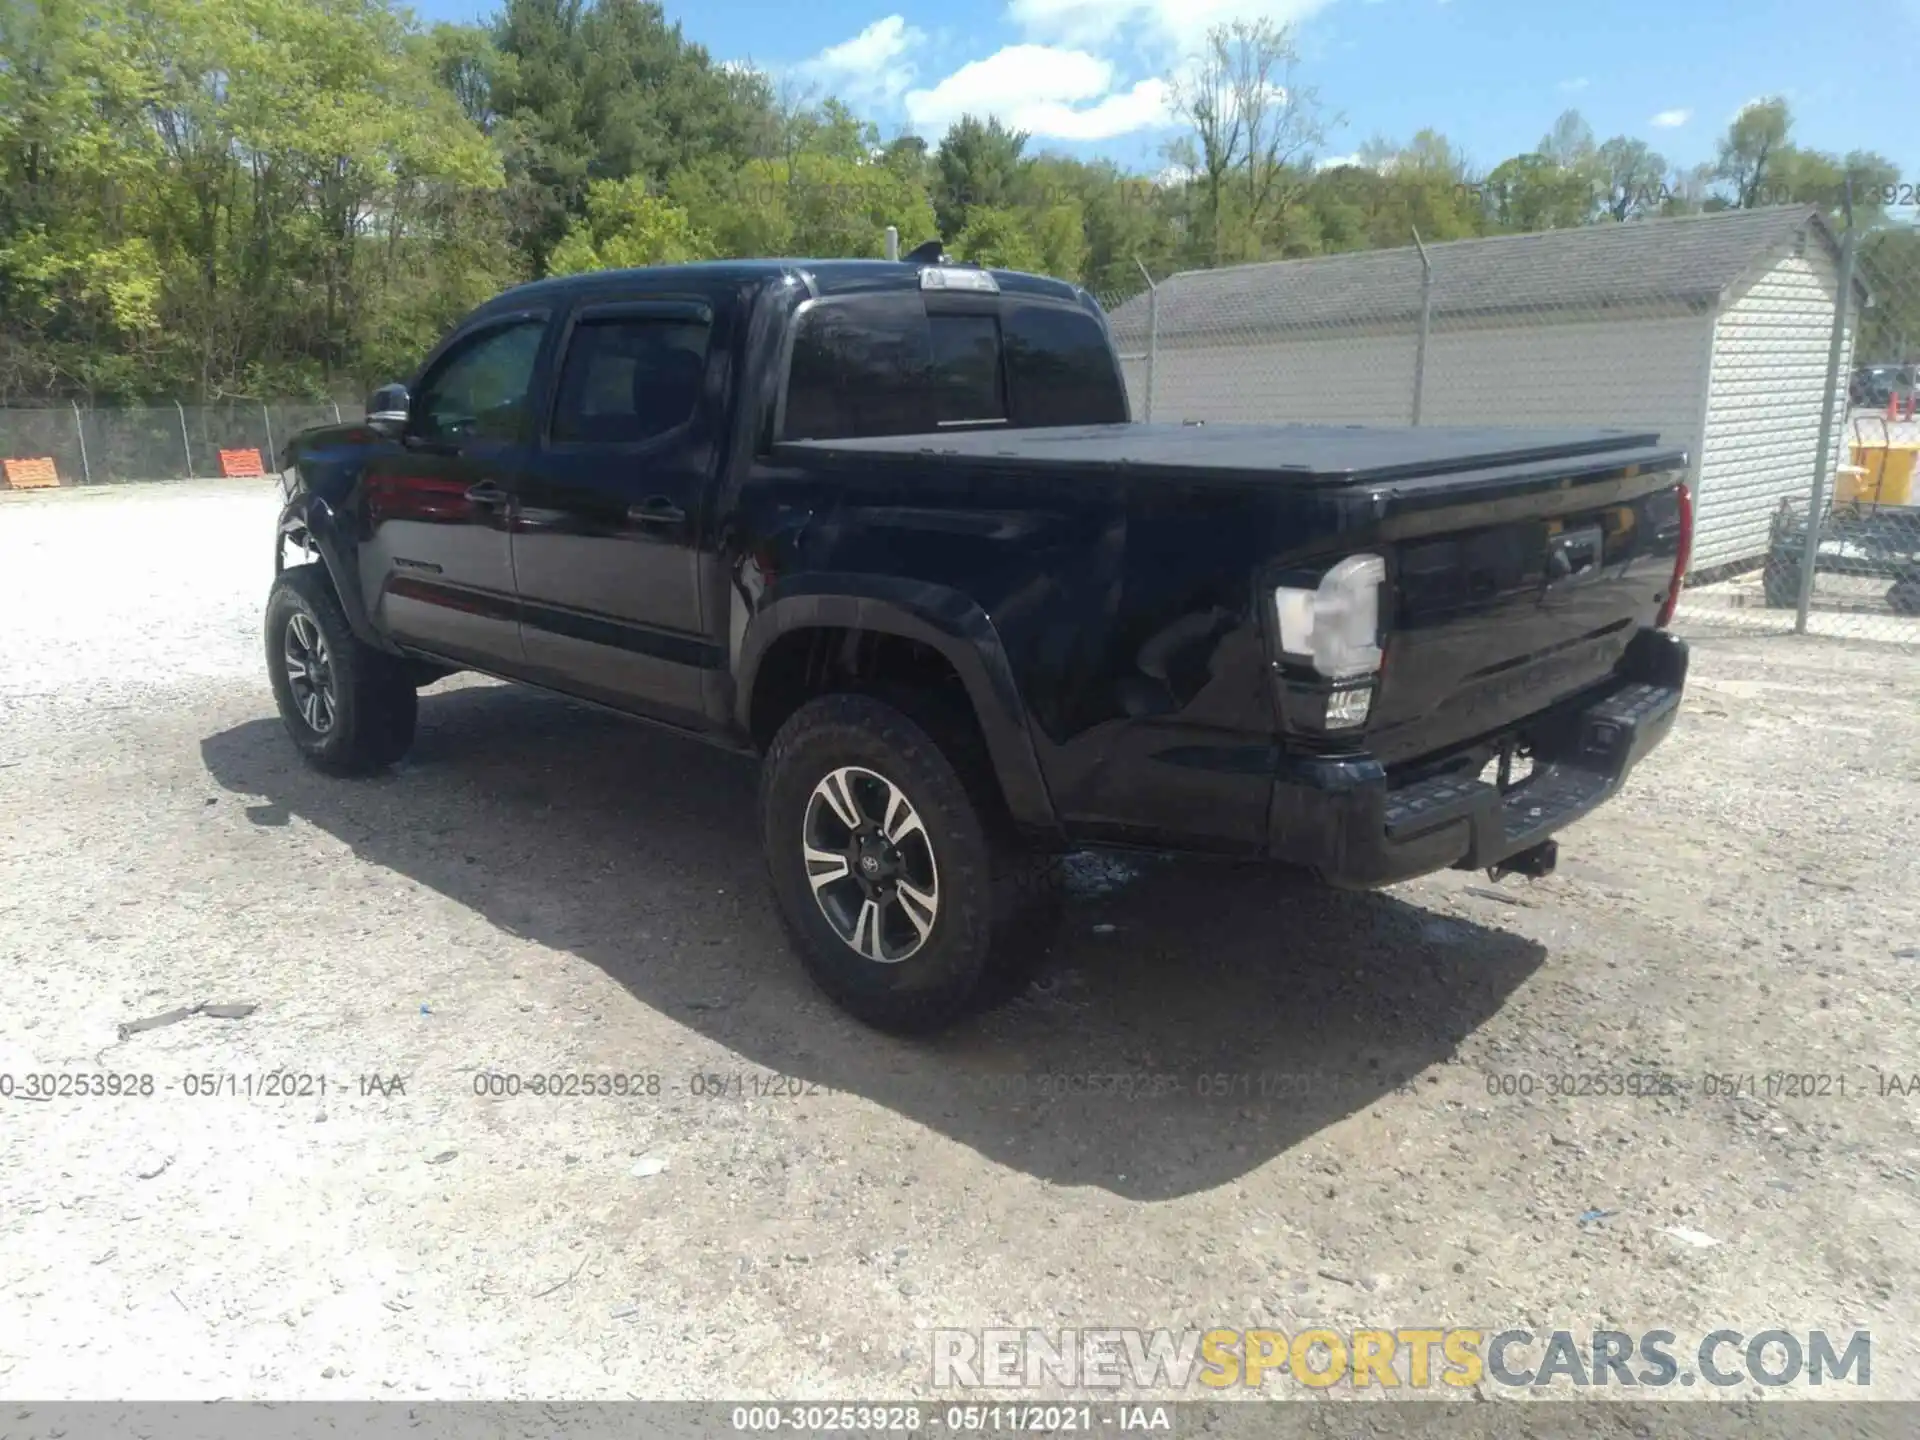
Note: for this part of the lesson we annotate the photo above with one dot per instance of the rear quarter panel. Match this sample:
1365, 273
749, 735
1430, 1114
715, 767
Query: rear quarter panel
1123, 606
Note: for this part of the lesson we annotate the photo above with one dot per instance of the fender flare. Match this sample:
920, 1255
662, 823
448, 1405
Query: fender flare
310, 513
941, 618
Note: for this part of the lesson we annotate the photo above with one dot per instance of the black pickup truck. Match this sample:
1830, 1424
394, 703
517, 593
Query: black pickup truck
887, 525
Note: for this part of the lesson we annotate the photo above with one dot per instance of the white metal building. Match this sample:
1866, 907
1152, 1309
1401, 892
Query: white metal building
1712, 329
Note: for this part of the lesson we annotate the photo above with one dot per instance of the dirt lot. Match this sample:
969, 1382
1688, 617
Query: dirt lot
1748, 906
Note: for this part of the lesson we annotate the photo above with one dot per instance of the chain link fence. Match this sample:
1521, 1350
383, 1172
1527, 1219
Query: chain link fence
1727, 334
160, 442
1783, 355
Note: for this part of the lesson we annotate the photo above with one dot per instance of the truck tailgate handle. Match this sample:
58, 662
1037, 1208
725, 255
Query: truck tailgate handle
1573, 554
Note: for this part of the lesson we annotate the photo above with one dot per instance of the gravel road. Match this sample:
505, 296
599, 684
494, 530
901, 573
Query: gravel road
783, 1204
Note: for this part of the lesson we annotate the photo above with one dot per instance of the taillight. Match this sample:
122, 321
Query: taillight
1682, 555
1335, 627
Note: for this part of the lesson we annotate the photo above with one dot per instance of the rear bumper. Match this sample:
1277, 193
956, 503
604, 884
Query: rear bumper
1343, 819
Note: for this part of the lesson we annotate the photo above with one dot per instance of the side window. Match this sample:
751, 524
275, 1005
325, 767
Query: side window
479, 390
859, 368
1060, 368
966, 369
629, 378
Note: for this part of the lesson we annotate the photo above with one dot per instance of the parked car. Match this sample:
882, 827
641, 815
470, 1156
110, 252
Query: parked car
1875, 386
886, 525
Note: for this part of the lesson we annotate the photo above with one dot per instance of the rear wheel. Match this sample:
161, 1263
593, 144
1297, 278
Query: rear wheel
350, 708
897, 879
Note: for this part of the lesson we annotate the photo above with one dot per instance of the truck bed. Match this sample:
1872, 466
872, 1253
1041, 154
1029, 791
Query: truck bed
1333, 455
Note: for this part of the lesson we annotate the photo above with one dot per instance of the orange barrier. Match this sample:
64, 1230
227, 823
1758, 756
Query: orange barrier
32, 474
241, 464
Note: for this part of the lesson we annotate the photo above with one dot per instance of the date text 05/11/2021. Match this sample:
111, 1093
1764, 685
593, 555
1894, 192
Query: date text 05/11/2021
1877, 1083
911, 1419
199, 1085
289, 1084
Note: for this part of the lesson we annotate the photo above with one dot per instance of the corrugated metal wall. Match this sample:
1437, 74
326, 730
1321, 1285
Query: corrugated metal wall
1639, 373
1763, 416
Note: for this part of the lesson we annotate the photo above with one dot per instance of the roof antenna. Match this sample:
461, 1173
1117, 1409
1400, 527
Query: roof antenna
932, 253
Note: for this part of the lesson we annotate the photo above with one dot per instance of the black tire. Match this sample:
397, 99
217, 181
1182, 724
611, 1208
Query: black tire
982, 942
369, 711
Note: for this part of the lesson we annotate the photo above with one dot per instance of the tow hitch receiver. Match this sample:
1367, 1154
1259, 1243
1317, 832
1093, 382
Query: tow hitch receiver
1536, 863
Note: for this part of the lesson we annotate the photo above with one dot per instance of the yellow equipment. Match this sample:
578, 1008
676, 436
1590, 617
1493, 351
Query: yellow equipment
1880, 472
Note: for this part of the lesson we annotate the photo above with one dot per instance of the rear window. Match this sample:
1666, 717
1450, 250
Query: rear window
966, 382
859, 368
1060, 368
881, 365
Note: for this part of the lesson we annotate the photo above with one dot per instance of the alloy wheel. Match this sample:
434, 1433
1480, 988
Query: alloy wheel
310, 673
870, 863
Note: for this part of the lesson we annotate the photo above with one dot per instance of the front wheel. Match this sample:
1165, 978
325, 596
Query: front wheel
350, 708
890, 867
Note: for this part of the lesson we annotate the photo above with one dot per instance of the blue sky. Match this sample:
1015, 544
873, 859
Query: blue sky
1084, 76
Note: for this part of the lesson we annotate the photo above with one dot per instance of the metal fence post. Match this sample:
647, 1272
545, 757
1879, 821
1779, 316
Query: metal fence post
269, 423
185, 444
1153, 331
1426, 325
80, 430
1836, 349
336, 410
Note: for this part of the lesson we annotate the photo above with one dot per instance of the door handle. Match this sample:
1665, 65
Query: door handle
656, 510
486, 493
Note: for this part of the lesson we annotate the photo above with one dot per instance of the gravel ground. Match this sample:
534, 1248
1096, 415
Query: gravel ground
541, 888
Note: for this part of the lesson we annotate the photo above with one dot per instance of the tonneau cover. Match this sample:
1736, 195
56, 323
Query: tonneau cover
1308, 454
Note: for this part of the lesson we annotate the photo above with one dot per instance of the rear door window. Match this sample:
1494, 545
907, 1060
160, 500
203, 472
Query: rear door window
627, 379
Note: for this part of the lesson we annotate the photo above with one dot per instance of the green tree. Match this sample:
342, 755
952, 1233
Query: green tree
979, 164
1536, 192
625, 227
997, 236
608, 91
1633, 178
209, 198
1889, 266
1749, 149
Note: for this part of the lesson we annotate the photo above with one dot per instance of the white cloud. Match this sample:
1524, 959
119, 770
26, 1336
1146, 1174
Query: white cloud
1568, 87
1182, 23
873, 65
1334, 162
1671, 119
1044, 90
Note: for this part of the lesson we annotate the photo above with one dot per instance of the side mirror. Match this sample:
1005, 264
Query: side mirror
387, 406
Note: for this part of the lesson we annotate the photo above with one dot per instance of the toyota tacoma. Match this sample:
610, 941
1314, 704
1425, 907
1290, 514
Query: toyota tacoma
887, 525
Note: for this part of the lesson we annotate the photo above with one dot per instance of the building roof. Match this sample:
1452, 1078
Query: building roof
1681, 261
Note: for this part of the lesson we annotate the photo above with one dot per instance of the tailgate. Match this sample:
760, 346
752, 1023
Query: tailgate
1512, 590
